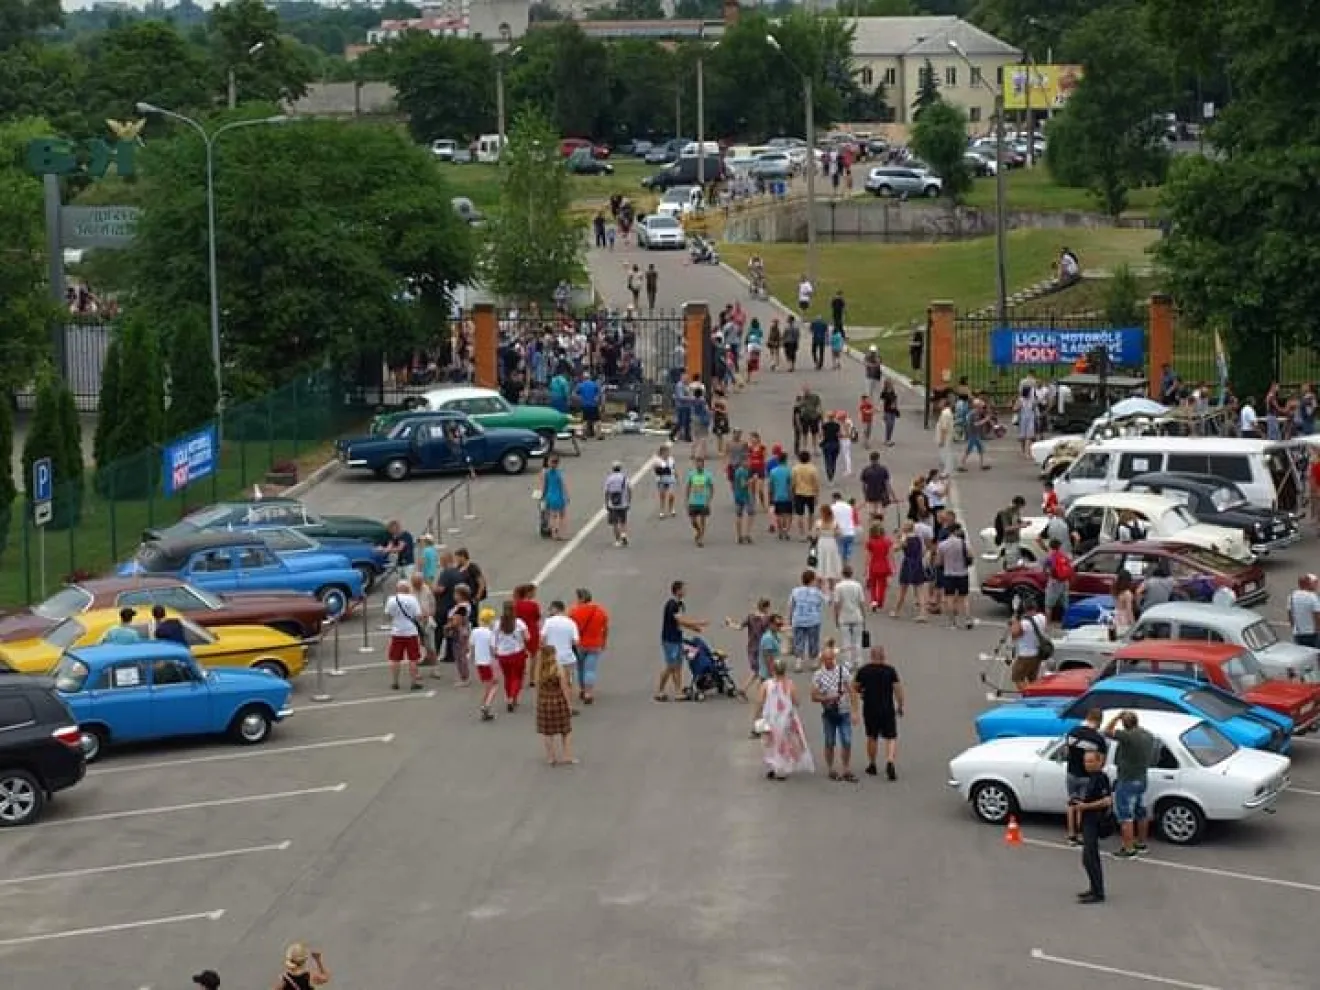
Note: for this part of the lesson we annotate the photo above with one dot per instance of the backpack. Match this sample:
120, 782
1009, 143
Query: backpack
999, 528
1061, 566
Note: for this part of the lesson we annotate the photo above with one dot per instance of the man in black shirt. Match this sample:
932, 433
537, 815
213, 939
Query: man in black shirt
876, 487
1081, 740
473, 577
401, 548
1094, 807
450, 577
882, 707
166, 630
673, 624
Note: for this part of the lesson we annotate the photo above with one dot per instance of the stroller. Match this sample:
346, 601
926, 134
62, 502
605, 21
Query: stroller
702, 251
710, 672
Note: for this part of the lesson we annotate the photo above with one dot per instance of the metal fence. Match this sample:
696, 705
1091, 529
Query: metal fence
80, 353
1196, 362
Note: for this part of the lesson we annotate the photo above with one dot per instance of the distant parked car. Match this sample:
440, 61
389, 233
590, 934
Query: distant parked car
640, 149
582, 162
771, 165
368, 559
894, 181
441, 442
980, 166
491, 409
1217, 502
240, 514
569, 146
443, 149
657, 231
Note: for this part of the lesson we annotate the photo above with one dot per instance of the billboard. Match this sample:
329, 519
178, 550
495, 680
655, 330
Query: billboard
190, 458
1126, 346
1051, 85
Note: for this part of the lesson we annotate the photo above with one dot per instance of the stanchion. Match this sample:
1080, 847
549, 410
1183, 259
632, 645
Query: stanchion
335, 671
454, 527
387, 582
467, 501
366, 646
321, 695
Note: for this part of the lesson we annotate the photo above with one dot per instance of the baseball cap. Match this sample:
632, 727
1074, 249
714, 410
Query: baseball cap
207, 979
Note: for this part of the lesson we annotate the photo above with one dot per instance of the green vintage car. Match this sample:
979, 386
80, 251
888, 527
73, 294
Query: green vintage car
491, 409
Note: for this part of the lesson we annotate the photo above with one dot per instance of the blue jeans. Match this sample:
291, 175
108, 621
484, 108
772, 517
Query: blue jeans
837, 729
846, 544
1129, 801
806, 642
587, 667
673, 653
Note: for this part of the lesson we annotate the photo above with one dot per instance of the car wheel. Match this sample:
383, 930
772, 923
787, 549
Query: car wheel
272, 666
94, 740
931, 192
335, 600
549, 436
22, 798
368, 575
884, 191
1025, 594
1180, 822
397, 469
993, 802
251, 725
513, 462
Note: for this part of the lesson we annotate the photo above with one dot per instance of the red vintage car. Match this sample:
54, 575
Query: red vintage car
569, 145
1195, 569
1224, 665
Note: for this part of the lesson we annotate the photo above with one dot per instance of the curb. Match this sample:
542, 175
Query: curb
311, 481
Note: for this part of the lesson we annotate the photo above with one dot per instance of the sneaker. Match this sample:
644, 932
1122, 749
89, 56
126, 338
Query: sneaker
871, 771
1074, 840
891, 773
1126, 853
624, 539
1141, 848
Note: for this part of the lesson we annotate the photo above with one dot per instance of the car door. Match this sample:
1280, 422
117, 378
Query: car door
436, 447
1088, 524
121, 700
213, 569
488, 410
1164, 775
1095, 574
1088, 475
259, 569
1047, 788
180, 699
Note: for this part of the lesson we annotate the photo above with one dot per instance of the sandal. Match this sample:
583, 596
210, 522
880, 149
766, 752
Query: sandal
849, 778
660, 697
834, 775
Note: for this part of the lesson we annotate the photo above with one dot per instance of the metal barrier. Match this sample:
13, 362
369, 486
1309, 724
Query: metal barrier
321, 695
450, 499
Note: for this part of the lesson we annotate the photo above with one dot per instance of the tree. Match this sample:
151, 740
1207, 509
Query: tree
534, 241
8, 490
278, 71
144, 60
52, 435
445, 85
133, 424
1121, 305
939, 137
1109, 136
24, 19
191, 376
107, 413
39, 80
928, 91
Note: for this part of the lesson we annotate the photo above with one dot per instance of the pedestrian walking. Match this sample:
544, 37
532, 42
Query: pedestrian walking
805, 291
1134, 756
593, 627
1303, 611
879, 565
303, 969
866, 416
754, 623
845, 525
828, 560
1008, 532
820, 335
744, 504
832, 688
881, 692
554, 496
618, 500
792, 340
561, 632
666, 479
698, 493
774, 340
1093, 807
849, 600
483, 659
758, 458
458, 631
510, 642
1030, 634
652, 286
955, 562
889, 411
674, 622
1058, 566
806, 608
430, 559
784, 748
554, 709
831, 444
426, 598
635, 283
911, 572
877, 487
405, 614
837, 307
1081, 740
805, 480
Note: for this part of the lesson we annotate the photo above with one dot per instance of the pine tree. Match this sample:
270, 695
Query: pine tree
928, 90
52, 434
191, 378
8, 491
74, 469
127, 466
107, 417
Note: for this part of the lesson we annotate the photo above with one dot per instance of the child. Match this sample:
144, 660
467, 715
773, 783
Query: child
483, 658
1049, 499
836, 349
879, 565
754, 344
846, 436
720, 423
866, 413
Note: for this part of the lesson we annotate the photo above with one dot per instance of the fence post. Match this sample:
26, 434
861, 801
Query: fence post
386, 582
27, 552
454, 528
366, 646
468, 514
336, 672
114, 529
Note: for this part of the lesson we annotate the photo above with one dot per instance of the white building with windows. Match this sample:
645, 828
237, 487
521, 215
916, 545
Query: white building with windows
492, 20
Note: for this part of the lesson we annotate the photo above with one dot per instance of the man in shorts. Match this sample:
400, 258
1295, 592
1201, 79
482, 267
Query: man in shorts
955, 566
1058, 571
699, 490
882, 706
1081, 739
1133, 758
405, 614
618, 499
806, 489
672, 626
744, 503
1027, 630
780, 482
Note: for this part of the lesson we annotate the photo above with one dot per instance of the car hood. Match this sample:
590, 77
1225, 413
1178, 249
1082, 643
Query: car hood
249, 678
23, 625
1064, 684
1043, 450
1227, 541
1029, 717
1005, 752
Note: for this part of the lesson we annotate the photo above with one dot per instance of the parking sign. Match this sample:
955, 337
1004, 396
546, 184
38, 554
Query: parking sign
43, 490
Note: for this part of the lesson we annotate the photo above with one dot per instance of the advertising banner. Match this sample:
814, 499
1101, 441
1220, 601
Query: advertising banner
190, 458
1126, 346
1051, 85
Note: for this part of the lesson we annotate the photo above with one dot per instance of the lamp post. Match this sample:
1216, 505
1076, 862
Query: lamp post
233, 81
500, 121
1001, 197
701, 114
208, 140
809, 99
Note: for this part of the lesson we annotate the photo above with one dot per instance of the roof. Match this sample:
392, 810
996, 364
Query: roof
925, 37
1188, 651
1235, 617
1140, 501
461, 392
1176, 479
95, 656
1181, 445
1158, 723
175, 546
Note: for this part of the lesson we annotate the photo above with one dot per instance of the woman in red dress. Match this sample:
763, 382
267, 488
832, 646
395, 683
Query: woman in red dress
526, 607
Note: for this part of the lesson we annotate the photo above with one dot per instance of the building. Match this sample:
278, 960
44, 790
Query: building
894, 51
494, 20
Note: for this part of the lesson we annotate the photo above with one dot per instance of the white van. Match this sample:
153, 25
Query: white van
488, 148
1265, 470
690, 149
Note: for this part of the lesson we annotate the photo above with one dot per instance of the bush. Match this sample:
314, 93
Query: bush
8, 490
55, 432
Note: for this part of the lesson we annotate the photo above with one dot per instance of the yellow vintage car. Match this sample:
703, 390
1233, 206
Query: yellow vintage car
223, 646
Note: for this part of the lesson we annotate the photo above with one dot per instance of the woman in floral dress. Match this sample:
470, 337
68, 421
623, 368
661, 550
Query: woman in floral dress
784, 743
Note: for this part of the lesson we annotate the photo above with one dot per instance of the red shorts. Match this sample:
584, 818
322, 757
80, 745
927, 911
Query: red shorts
405, 648
486, 674
753, 362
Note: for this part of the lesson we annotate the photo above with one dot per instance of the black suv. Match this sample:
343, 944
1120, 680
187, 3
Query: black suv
40, 748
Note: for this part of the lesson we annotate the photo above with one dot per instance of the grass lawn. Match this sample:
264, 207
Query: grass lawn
1033, 189
480, 183
1085, 297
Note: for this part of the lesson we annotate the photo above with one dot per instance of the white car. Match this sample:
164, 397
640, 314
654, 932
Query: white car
656, 231
1094, 519
443, 149
1101, 428
1199, 776
679, 201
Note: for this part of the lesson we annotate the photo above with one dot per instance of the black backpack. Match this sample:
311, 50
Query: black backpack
999, 528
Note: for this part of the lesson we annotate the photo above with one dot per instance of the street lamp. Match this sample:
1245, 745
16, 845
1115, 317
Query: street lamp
701, 113
233, 81
1001, 164
499, 90
208, 139
809, 98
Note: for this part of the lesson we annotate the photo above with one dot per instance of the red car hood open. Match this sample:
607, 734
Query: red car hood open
1065, 684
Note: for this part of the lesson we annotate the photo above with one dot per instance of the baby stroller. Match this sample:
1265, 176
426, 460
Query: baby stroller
710, 672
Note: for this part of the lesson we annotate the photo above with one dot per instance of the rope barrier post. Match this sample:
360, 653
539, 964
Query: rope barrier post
467, 500
366, 646
321, 695
454, 527
387, 581
335, 671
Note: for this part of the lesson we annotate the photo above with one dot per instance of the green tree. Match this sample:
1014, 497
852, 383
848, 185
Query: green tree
24, 19
143, 60
446, 86
51, 434
108, 415
928, 91
534, 242
277, 71
643, 81
8, 490
126, 463
191, 375
939, 137
559, 74
1122, 306
1109, 136
39, 80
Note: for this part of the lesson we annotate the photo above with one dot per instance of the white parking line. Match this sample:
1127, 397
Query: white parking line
1302, 790
174, 919
1040, 956
92, 871
246, 754
379, 700
1189, 868
169, 809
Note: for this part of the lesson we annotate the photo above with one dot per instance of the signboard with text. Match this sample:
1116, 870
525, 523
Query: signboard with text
1050, 86
190, 458
98, 226
1126, 346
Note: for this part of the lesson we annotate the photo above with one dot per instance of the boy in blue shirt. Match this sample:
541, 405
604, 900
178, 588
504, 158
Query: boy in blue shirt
744, 506
780, 480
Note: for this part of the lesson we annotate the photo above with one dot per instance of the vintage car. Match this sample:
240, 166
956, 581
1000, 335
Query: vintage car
1196, 572
238, 514
1094, 519
240, 561
298, 615
368, 559
1222, 503
1200, 776
152, 691
1247, 725
1225, 665
1091, 646
441, 443
1088, 396
1124, 416
257, 647
490, 409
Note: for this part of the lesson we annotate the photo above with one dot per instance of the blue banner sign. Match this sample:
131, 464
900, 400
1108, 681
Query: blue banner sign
190, 458
1126, 346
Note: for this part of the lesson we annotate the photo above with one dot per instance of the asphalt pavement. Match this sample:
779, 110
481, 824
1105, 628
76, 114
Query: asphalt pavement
418, 846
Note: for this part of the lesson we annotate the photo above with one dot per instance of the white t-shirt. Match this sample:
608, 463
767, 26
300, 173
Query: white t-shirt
944, 428
844, 520
481, 646
504, 644
805, 291
1247, 420
1028, 644
1303, 605
561, 632
851, 599
405, 614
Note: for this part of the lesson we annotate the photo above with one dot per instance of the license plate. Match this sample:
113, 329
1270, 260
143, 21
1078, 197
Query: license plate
1249, 587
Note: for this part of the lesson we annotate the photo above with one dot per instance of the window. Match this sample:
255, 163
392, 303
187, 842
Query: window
1259, 636
1164, 759
287, 540
1228, 497
1099, 563
1177, 495
1215, 704
281, 515
1199, 634
484, 407
977, 80
1243, 672
195, 635
254, 557
181, 599
1231, 467
71, 675
1089, 467
65, 634
867, 78
1087, 522
1208, 746
891, 77
1155, 629
122, 676
1131, 465
1187, 464
974, 114
64, 603
213, 561
165, 672
951, 75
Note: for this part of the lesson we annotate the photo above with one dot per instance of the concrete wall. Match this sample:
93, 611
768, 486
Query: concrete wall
889, 221
341, 99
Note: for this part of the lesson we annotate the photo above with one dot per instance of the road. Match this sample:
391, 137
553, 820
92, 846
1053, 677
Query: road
420, 847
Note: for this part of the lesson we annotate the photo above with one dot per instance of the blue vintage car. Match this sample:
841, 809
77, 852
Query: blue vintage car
368, 559
436, 442
151, 691
1249, 726
241, 561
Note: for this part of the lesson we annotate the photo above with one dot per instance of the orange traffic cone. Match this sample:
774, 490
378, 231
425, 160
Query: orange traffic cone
1013, 832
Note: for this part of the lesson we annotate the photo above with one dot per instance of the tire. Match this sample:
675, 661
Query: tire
95, 738
993, 802
251, 725
22, 798
884, 192
1180, 822
335, 599
273, 666
513, 461
1026, 593
931, 192
396, 470
368, 574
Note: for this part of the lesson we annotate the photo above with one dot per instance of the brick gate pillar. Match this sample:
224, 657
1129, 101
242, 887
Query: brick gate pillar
940, 352
1159, 340
696, 318
485, 346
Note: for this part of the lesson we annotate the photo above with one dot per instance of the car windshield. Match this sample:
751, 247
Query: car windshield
65, 634
288, 540
1259, 636
1218, 705
1227, 498
663, 223
1243, 672
64, 603
71, 675
679, 194
1208, 746
216, 515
